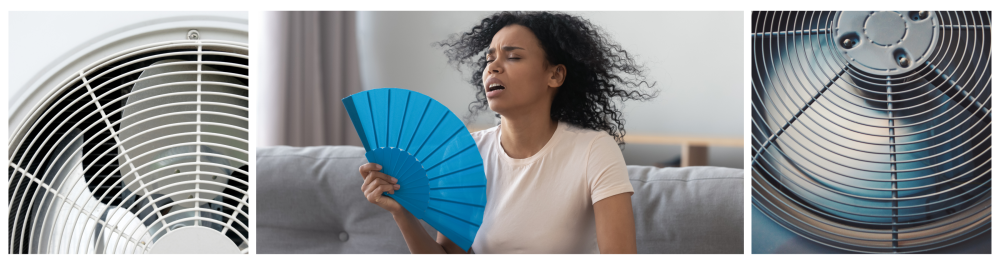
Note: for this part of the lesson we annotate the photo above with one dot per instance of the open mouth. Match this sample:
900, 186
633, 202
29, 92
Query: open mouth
494, 86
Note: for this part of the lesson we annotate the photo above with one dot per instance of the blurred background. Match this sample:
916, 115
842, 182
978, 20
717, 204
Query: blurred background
310, 60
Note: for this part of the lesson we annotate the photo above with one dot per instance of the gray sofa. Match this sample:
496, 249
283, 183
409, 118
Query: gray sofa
309, 200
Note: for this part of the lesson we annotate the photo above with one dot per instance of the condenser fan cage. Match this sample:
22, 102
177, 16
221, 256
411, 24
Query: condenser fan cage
872, 130
144, 151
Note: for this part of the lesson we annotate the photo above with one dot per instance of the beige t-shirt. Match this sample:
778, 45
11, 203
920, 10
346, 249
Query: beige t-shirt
544, 203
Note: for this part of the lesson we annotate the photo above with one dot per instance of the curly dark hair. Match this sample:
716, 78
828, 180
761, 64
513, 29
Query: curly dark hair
599, 71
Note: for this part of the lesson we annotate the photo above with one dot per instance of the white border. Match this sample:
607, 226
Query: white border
622, 5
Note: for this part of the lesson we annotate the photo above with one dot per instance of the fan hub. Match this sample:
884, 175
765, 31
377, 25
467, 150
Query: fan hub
885, 28
194, 240
886, 42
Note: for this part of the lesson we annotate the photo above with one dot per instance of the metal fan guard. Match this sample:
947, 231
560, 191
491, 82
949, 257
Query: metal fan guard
55, 209
868, 159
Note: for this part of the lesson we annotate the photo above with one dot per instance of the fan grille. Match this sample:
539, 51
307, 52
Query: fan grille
66, 187
857, 154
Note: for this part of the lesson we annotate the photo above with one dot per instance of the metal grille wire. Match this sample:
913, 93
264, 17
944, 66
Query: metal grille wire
100, 166
872, 160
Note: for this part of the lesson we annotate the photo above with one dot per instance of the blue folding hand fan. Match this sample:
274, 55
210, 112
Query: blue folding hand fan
431, 153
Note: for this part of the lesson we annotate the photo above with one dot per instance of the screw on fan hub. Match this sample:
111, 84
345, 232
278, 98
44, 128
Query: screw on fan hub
888, 42
904, 62
919, 15
193, 34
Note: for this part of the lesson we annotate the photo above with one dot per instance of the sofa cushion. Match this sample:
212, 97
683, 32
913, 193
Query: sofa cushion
687, 210
310, 201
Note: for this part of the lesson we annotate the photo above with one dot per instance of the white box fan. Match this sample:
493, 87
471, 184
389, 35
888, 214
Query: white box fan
135, 143
872, 132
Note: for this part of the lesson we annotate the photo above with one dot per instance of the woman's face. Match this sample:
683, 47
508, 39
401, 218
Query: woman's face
518, 79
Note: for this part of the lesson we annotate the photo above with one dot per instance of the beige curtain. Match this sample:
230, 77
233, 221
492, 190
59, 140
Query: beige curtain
310, 63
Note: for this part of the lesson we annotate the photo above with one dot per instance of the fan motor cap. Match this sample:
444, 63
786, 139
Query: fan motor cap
194, 240
882, 37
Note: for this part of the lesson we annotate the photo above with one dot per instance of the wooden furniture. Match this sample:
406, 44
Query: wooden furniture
694, 150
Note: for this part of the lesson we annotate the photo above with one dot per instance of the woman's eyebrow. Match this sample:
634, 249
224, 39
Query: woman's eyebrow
505, 48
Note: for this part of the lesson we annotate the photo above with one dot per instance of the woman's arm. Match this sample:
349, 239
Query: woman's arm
615, 224
612, 193
417, 239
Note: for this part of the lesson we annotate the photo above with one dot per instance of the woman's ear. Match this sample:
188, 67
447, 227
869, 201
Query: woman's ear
557, 75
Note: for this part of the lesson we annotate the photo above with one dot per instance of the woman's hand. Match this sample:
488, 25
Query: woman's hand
416, 237
377, 182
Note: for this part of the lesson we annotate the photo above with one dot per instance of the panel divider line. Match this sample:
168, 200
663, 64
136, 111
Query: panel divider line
796, 32
197, 136
892, 166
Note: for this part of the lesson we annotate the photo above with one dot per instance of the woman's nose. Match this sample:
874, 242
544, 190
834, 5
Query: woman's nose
494, 67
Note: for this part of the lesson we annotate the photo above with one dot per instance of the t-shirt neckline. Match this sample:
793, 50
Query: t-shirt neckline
560, 127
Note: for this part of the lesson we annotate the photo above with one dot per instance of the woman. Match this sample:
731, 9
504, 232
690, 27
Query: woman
556, 178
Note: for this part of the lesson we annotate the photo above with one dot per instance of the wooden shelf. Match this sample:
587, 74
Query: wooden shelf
669, 139
681, 140
694, 150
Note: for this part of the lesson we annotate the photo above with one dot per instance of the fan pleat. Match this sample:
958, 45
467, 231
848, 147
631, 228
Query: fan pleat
410, 168
362, 114
425, 132
413, 192
420, 105
380, 116
454, 172
399, 99
447, 223
447, 130
473, 196
434, 163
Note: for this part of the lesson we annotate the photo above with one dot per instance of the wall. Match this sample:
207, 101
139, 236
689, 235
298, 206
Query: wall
695, 58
